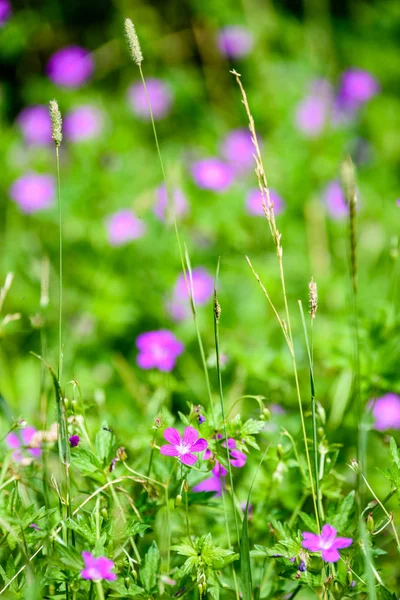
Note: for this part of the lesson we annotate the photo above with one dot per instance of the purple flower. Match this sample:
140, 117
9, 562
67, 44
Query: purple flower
211, 484
302, 566
74, 440
123, 227
356, 88
235, 41
34, 526
70, 67
334, 200
35, 125
33, 192
97, 569
160, 98
161, 208
5, 11
201, 419
314, 110
184, 447
398, 202
254, 202
237, 149
83, 123
238, 459
386, 412
212, 174
20, 442
327, 543
158, 350
202, 288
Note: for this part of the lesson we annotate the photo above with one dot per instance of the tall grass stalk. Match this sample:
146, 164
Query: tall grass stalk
276, 237
136, 53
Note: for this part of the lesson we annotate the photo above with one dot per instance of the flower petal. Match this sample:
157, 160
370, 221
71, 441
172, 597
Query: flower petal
13, 441
169, 450
330, 555
328, 533
207, 454
190, 435
188, 459
104, 565
238, 459
199, 446
211, 484
342, 542
172, 436
89, 560
219, 470
311, 541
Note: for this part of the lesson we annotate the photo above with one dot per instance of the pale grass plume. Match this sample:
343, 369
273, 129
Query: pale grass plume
56, 122
133, 42
313, 298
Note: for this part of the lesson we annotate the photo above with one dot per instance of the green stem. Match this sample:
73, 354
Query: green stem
60, 352
100, 591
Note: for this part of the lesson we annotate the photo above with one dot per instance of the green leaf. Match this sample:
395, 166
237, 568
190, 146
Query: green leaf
150, 570
86, 462
384, 594
394, 452
342, 519
245, 565
309, 522
104, 443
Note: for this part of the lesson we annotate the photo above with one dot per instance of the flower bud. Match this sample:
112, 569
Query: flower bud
279, 451
127, 582
178, 501
200, 586
267, 413
370, 523
121, 454
355, 466
104, 513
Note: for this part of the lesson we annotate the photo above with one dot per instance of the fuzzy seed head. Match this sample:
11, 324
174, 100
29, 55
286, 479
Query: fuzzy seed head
313, 298
217, 309
56, 122
133, 42
348, 178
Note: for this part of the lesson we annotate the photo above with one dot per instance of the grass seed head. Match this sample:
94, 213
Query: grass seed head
56, 122
133, 42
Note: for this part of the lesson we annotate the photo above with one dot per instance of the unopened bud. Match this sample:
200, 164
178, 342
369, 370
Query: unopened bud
134, 574
178, 501
200, 586
121, 454
279, 451
104, 513
66, 403
127, 582
267, 413
204, 587
370, 523
355, 466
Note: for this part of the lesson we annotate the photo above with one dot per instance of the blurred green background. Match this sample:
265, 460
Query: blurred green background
114, 293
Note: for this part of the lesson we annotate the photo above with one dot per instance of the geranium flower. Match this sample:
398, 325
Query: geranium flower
212, 174
158, 350
70, 67
5, 11
237, 149
160, 98
97, 569
33, 192
162, 210
124, 226
254, 202
235, 41
327, 543
184, 447
211, 484
202, 287
74, 440
83, 123
314, 110
386, 412
35, 125
356, 88
20, 442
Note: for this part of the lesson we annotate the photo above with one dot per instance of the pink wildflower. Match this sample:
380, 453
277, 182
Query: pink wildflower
183, 448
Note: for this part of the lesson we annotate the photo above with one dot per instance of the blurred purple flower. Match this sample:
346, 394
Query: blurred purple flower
212, 174
160, 98
123, 227
34, 526
83, 123
33, 192
161, 208
334, 200
202, 287
254, 202
74, 440
211, 484
19, 441
70, 67
5, 11
398, 202
235, 41
201, 419
327, 543
183, 448
386, 412
97, 569
35, 125
238, 459
158, 350
237, 149
314, 110
356, 88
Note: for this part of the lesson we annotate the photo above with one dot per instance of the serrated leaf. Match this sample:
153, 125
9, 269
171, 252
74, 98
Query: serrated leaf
342, 519
384, 594
309, 522
86, 462
394, 452
104, 443
150, 570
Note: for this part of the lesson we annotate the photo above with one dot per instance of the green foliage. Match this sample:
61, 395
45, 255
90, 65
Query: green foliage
150, 571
